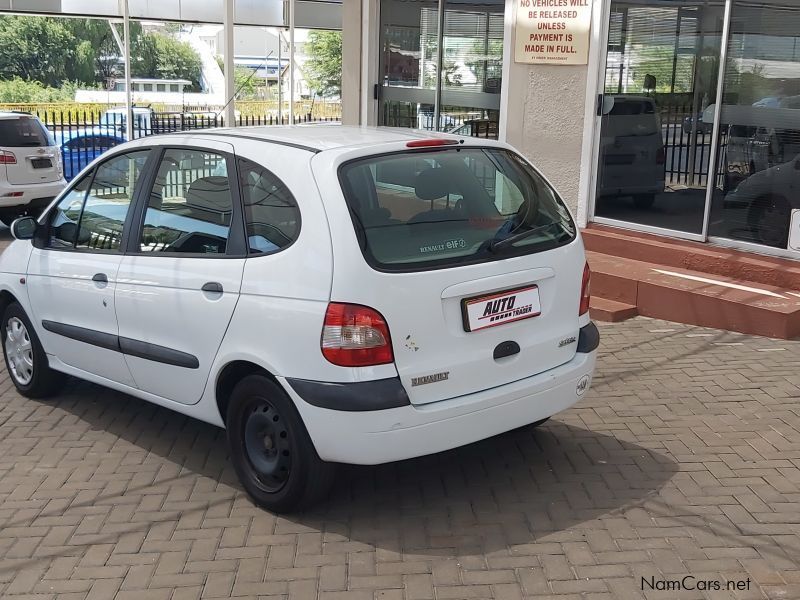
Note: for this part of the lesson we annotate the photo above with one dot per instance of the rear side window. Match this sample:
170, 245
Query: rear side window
433, 209
271, 213
24, 132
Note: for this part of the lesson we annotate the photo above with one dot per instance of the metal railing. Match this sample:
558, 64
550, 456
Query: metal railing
83, 136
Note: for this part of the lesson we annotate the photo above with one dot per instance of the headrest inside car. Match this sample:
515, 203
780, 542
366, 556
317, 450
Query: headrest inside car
433, 183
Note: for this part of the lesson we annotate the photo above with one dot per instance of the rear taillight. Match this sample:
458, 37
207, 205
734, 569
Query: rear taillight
355, 336
585, 292
7, 158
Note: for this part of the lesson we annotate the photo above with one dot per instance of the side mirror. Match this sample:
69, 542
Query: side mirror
24, 228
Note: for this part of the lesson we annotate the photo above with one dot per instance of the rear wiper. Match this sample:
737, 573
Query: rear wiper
513, 239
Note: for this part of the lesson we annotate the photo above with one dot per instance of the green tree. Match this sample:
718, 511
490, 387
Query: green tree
19, 90
323, 68
52, 51
34, 48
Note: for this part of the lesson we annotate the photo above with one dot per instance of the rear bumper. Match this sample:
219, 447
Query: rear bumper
37, 195
380, 436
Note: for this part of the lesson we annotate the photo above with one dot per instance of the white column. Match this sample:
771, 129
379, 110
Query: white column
351, 62
126, 32
370, 48
291, 62
230, 80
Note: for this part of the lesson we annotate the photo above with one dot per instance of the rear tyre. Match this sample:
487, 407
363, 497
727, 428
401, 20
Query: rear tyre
271, 450
644, 201
25, 358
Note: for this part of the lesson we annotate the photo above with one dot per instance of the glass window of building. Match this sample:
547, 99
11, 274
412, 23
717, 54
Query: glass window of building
758, 171
656, 114
441, 65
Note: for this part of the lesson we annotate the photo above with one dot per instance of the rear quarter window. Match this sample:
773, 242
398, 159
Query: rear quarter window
417, 210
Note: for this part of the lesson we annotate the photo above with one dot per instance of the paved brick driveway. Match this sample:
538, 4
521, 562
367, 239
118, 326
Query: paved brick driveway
683, 459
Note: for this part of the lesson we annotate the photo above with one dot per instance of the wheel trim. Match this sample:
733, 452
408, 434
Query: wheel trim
19, 351
267, 446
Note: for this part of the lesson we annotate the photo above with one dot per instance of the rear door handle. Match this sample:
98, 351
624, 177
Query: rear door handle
100, 278
213, 287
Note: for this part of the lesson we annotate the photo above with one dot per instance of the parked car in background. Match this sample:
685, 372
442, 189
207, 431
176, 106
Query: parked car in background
769, 197
632, 152
31, 172
81, 148
690, 122
443, 296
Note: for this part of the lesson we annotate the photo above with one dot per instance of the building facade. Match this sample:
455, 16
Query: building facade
681, 118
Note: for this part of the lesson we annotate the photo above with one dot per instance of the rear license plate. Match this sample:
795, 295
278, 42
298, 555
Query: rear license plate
41, 163
499, 308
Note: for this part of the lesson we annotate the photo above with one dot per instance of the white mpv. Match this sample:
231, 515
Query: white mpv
326, 294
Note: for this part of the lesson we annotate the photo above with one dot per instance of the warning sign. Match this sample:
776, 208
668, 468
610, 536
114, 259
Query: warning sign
553, 31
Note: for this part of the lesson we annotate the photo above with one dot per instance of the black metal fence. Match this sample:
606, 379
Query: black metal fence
84, 135
687, 144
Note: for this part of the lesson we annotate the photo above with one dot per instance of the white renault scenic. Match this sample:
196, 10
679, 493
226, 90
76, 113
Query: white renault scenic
326, 294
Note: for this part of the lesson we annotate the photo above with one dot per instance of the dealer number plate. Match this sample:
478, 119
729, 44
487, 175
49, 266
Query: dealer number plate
501, 308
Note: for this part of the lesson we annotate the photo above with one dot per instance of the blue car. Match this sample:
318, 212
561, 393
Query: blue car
80, 148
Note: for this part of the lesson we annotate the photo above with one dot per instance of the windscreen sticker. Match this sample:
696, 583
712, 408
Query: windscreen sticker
444, 246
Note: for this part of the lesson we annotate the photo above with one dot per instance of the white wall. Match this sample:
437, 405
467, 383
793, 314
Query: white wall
544, 115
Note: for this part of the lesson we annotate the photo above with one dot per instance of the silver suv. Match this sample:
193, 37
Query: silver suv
31, 173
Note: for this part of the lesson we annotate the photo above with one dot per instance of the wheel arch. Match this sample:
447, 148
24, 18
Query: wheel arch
6, 298
231, 374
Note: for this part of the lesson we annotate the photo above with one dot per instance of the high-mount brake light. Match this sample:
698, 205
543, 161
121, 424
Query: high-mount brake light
431, 143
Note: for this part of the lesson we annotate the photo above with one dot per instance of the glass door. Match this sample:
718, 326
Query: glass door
656, 115
756, 196
441, 65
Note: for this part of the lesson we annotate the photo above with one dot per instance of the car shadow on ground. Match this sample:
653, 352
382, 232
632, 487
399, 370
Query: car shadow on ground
511, 489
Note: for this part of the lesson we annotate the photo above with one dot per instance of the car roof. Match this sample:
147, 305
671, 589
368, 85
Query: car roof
10, 114
319, 137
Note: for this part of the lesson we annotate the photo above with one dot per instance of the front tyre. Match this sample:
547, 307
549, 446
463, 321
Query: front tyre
271, 450
25, 358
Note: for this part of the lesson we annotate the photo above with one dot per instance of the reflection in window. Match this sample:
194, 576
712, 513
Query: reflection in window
190, 206
64, 219
110, 195
759, 160
271, 213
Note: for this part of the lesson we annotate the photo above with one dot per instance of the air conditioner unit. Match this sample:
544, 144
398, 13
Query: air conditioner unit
794, 231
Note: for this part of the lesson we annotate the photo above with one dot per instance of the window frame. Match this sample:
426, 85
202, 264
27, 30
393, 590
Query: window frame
90, 175
240, 176
237, 245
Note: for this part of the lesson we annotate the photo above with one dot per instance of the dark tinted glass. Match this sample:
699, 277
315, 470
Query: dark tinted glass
24, 132
271, 213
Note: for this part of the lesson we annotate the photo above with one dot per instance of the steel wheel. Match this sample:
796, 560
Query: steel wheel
19, 351
267, 446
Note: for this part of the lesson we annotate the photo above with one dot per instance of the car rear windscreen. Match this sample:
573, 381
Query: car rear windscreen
438, 208
23, 132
